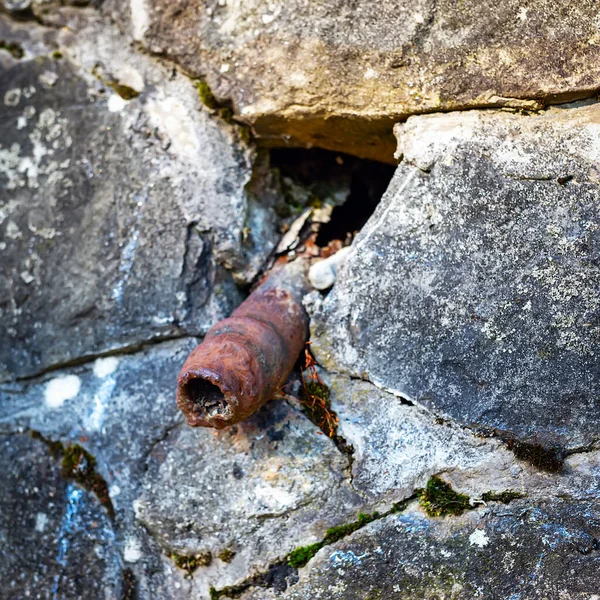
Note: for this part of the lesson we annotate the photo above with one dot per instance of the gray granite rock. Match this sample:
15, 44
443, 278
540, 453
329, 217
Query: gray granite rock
123, 213
397, 447
339, 75
473, 289
521, 551
116, 407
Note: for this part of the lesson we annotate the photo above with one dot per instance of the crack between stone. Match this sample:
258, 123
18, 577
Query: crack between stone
544, 101
125, 350
341, 532
587, 449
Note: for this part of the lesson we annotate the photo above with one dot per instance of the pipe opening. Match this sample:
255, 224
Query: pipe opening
207, 397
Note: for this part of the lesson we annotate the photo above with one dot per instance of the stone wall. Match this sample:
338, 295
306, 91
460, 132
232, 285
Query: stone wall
459, 346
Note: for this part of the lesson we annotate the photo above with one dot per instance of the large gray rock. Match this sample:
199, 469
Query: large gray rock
397, 447
123, 212
338, 75
521, 551
473, 289
258, 489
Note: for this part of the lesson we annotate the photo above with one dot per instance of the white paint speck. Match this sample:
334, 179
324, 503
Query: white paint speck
479, 538
61, 389
224, 68
266, 19
522, 15
41, 520
371, 74
132, 552
103, 367
116, 103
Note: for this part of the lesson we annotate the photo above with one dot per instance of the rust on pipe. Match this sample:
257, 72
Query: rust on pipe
245, 359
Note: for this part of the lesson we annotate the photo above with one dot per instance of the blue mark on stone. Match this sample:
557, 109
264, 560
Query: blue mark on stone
67, 526
346, 559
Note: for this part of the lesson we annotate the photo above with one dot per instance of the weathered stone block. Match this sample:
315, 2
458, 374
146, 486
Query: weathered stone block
338, 75
473, 289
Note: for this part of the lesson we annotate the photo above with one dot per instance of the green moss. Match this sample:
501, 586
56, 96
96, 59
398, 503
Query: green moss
300, 556
504, 497
245, 133
55, 448
439, 499
191, 563
57, 55
14, 49
226, 114
315, 398
126, 92
226, 555
547, 457
206, 96
78, 464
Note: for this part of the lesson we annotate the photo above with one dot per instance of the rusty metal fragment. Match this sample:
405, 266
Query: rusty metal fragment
245, 359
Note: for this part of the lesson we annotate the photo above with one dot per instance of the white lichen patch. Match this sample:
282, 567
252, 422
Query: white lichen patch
48, 78
41, 522
60, 389
132, 550
479, 538
12, 97
103, 367
26, 170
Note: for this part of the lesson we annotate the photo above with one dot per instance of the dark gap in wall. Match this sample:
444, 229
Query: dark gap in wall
353, 186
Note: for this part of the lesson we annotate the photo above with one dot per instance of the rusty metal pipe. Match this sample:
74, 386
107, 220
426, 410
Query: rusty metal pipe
245, 359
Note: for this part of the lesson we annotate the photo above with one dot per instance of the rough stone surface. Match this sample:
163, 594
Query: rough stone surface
259, 489
339, 74
131, 212
473, 289
398, 447
121, 220
55, 539
118, 409
522, 551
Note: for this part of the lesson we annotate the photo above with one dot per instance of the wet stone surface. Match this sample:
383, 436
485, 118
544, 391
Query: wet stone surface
473, 289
